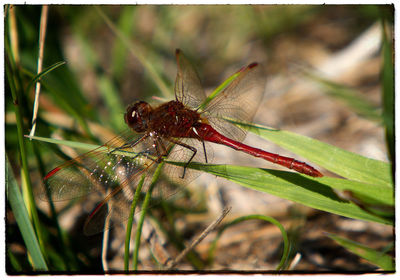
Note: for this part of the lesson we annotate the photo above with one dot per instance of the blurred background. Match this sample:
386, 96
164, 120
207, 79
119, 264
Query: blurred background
323, 67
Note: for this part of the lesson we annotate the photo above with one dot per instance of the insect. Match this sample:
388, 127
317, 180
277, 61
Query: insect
177, 130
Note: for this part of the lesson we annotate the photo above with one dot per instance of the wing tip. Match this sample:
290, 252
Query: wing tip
51, 173
248, 67
252, 65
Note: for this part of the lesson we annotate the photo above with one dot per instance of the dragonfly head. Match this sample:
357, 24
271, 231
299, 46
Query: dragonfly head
137, 116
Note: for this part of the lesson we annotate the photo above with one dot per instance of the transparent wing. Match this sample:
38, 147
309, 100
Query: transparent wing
95, 171
117, 203
113, 170
188, 87
238, 101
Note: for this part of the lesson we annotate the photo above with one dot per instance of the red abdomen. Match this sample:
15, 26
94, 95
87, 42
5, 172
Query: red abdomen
207, 133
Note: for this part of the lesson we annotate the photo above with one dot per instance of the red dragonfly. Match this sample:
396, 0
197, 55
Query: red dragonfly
178, 131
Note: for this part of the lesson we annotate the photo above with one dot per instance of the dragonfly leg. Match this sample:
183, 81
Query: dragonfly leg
160, 154
193, 149
205, 152
128, 144
159, 144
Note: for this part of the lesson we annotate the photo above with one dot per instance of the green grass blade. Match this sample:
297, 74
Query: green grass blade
126, 24
130, 222
83, 146
111, 97
317, 193
379, 259
352, 98
72, 144
218, 90
146, 202
339, 161
16, 266
43, 73
15, 83
21, 216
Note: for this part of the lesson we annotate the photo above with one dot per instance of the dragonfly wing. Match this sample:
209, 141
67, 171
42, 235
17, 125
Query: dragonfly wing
87, 173
129, 163
238, 101
116, 206
93, 171
107, 170
188, 87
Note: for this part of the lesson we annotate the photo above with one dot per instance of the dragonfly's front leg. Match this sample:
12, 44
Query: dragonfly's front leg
129, 144
128, 149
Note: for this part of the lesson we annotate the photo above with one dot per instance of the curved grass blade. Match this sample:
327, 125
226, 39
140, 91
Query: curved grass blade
352, 98
218, 90
43, 73
60, 99
377, 258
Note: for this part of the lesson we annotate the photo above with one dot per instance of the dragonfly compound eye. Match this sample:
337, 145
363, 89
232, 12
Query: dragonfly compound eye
137, 116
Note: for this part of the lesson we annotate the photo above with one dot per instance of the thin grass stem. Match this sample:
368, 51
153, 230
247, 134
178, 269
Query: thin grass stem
130, 222
42, 36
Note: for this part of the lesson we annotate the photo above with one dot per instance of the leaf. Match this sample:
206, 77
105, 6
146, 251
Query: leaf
43, 73
352, 98
72, 144
83, 146
219, 89
317, 193
379, 259
24, 223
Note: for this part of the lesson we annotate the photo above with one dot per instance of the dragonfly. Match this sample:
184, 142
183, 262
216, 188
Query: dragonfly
177, 131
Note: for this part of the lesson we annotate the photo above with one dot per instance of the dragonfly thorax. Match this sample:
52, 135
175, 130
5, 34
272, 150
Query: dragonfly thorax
173, 119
